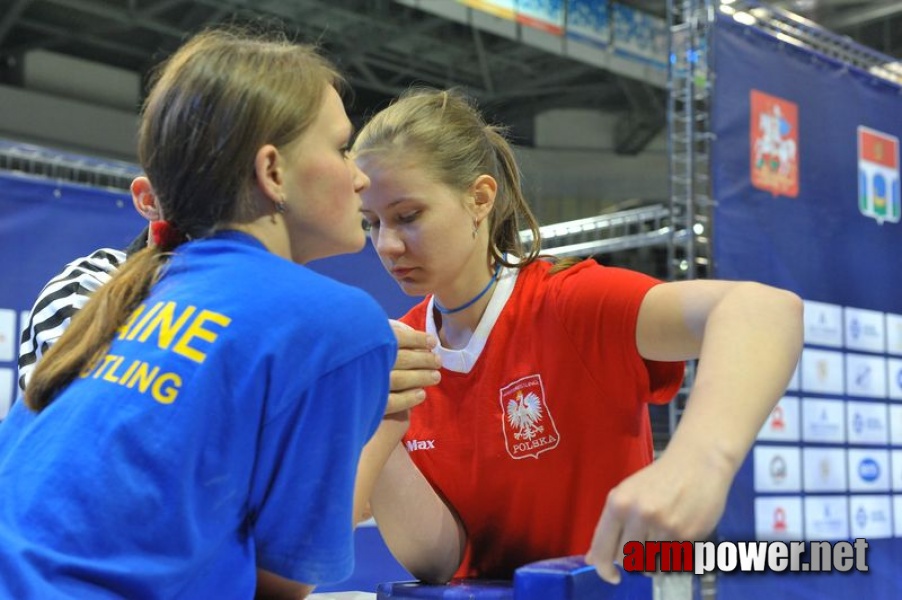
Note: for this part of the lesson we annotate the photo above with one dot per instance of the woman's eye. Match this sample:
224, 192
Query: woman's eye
370, 225
346, 151
409, 217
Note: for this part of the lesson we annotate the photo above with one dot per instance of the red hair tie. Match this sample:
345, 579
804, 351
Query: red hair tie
165, 235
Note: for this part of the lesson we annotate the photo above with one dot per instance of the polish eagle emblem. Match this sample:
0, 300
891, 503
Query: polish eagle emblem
524, 413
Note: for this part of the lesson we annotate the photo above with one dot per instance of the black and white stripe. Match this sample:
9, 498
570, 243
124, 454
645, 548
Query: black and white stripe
62, 297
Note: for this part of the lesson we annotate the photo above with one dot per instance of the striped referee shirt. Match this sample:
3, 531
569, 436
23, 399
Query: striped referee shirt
62, 297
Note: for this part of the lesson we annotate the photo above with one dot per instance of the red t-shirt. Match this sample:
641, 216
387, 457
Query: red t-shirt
552, 415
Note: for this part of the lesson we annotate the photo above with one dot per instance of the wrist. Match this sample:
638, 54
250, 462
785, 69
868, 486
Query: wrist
718, 458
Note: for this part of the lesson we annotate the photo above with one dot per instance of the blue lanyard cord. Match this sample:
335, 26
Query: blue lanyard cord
448, 311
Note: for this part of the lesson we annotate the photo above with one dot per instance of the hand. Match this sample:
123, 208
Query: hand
416, 368
680, 497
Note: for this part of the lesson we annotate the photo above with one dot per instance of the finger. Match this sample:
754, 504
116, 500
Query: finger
411, 338
417, 359
401, 380
396, 324
604, 549
634, 530
400, 401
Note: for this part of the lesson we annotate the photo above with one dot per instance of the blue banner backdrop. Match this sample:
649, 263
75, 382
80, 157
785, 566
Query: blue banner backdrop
45, 224
805, 171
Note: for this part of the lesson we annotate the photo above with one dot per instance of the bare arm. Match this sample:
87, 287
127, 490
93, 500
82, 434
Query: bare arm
415, 368
412, 518
372, 461
421, 531
748, 338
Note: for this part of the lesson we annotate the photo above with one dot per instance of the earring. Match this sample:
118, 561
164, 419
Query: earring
280, 207
475, 228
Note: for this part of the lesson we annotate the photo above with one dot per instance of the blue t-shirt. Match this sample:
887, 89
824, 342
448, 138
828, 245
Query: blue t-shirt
220, 433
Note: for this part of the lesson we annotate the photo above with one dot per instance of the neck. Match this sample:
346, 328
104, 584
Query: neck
450, 311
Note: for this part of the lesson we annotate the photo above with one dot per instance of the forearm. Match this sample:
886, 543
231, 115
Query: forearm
420, 529
750, 346
373, 459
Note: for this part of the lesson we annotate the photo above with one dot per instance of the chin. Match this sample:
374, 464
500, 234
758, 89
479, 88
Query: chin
339, 248
352, 244
412, 289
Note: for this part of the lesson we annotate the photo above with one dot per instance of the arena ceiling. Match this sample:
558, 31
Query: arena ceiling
384, 46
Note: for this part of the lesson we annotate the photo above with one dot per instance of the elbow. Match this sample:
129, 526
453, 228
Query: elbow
792, 302
784, 309
434, 566
433, 576
793, 309
438, 565
787, 304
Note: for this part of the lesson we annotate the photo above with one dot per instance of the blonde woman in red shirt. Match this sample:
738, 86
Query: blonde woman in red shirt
536, 443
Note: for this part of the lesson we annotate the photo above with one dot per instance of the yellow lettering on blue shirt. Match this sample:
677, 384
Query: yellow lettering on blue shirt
187, 332
166, 387
163, 387
134, 330
198, 331
142, 377
162, 320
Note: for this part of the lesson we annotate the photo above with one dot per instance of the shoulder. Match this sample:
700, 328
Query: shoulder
78, 280
98, 266
589, 276
584, 290
325, 310
81, 277
105, 260
62, 297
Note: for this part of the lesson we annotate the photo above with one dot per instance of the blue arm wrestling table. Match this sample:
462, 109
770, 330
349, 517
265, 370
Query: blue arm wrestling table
567, 578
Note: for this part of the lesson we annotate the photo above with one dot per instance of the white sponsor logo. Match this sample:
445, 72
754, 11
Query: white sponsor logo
894, 378
783, 423
8, 337
7, 389
864, 330
823, 420
870, 516
894, 334
777, 469
868, 470
865, 375
867, 423
823, 324
414, 445
824, 469
822, 371
778, 518
826, 517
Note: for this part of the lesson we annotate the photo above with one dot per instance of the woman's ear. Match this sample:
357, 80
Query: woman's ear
483, 191
144, 199
268, 172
